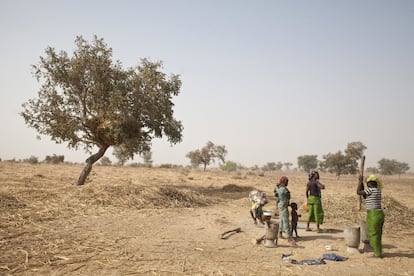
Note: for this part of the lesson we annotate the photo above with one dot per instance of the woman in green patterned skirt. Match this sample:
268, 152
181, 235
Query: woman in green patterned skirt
375, 214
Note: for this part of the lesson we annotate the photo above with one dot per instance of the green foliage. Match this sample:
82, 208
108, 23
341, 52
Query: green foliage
31, 160
287, 165
390, 167
88, 100
55, 159
229, 166
355, 150
337, 163
344, 163
308, 162
207, 154
272, 166
105, 161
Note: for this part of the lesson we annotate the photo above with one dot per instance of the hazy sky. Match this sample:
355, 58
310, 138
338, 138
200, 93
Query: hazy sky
270, 80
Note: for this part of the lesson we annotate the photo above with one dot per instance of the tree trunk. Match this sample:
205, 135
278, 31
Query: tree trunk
89, 163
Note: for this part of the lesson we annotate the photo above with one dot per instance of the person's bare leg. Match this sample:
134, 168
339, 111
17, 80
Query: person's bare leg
317, 228
254, 219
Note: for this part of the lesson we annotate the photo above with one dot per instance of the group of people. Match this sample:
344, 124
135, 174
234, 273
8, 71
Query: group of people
372, 195
314, 203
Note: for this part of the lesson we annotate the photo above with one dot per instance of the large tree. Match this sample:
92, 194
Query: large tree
88, 100
337, 163
344, 163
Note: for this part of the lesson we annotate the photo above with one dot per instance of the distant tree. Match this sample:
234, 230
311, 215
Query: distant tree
220, 153
308, 162
121, 154
105, 161
229, 166
372, 170
354, 152
287, 165
206, 155
337, 163
401, 168
344, 163
54, 159
147, 157
195, 158
279, 166
31, 160
90, 101
386, 166
390, 167
269, 166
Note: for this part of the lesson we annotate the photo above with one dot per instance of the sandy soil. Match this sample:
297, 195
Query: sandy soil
129, 221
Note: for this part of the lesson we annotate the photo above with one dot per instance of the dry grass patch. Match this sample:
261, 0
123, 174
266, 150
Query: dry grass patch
47, 224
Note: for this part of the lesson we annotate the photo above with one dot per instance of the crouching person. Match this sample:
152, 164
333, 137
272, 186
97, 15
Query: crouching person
257, 200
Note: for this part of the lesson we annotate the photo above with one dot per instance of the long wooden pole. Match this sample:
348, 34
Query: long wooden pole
361, 176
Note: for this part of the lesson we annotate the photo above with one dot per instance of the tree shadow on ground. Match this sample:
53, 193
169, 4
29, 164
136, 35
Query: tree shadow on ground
229, 191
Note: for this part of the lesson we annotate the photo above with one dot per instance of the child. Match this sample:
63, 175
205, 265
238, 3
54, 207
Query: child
258, 200
295, 217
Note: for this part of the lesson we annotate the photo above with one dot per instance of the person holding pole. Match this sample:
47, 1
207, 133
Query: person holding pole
375, 214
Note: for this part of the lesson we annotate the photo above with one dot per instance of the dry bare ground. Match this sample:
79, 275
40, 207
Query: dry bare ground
132, 221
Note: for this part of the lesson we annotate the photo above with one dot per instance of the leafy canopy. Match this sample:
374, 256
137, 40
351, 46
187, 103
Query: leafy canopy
89, 100
344, 163
392, 166
207, 154
308, 162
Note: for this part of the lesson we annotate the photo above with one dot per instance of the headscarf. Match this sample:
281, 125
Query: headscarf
374, 178
284, 180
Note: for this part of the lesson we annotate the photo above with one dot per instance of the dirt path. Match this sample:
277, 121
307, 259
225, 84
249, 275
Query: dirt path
186, 242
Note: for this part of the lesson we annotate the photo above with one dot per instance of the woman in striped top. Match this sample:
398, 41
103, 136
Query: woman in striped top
375, 214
